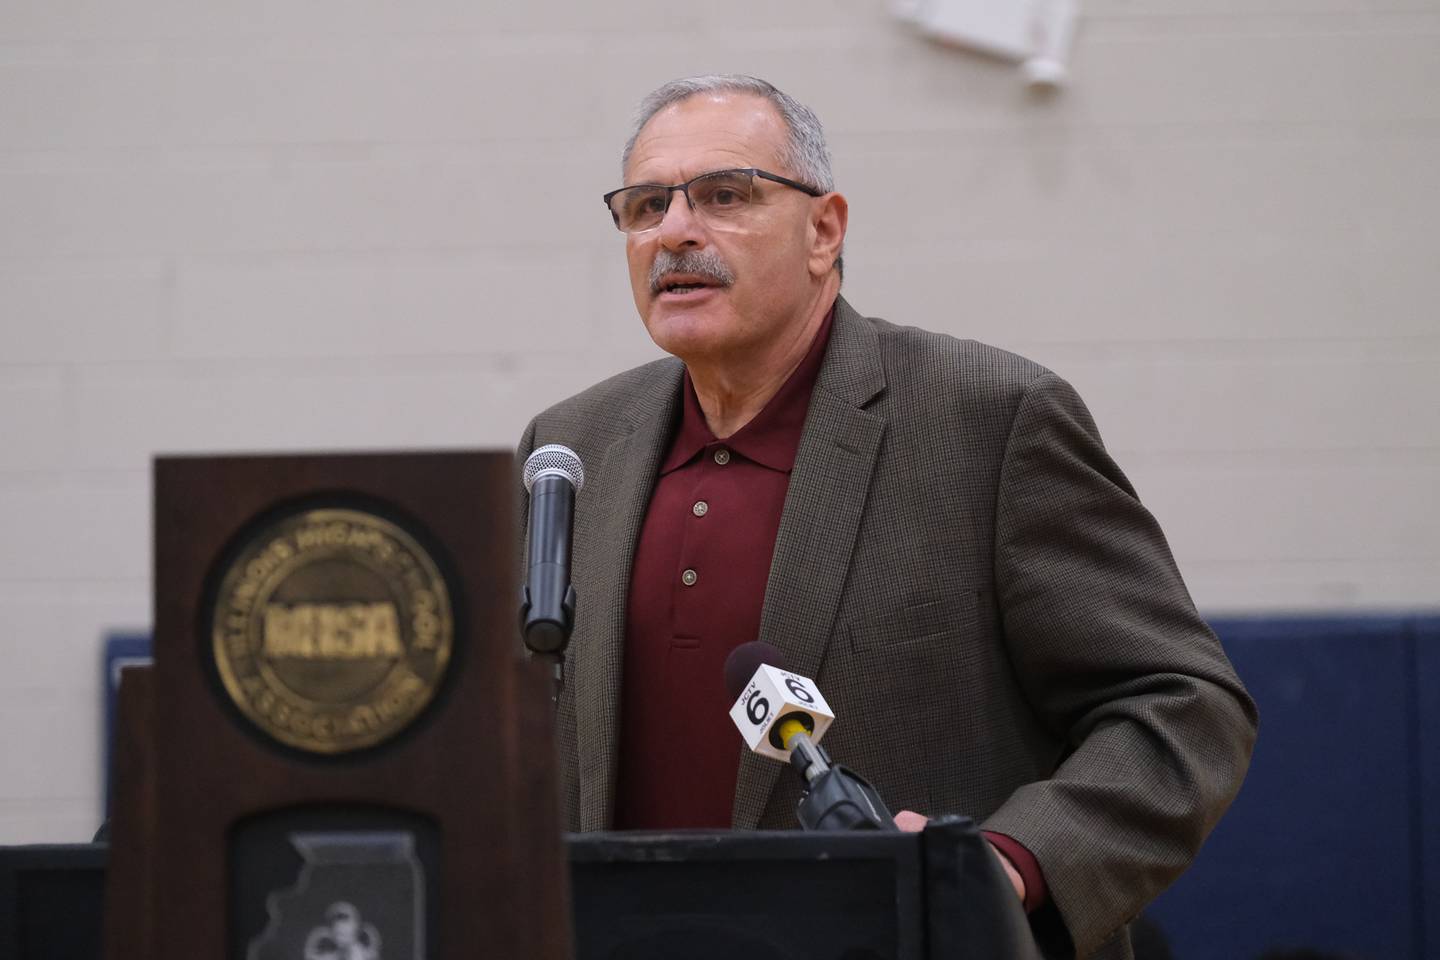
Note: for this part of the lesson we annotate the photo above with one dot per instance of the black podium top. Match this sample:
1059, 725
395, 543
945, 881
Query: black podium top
782, 895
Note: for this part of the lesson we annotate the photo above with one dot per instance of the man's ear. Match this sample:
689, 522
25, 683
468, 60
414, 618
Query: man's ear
827, 225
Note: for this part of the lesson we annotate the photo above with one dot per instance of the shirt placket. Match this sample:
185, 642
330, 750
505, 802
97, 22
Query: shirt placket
696, 580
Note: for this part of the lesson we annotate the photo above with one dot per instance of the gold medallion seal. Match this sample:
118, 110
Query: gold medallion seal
332, 630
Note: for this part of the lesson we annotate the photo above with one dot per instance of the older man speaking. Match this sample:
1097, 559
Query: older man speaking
929, 527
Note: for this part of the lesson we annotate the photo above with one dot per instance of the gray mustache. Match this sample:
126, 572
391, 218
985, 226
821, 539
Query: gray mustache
700, 263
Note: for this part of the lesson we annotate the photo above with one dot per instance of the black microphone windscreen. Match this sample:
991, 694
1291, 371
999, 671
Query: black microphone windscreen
745, 659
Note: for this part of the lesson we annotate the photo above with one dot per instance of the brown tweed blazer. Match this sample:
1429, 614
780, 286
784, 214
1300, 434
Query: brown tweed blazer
971, 581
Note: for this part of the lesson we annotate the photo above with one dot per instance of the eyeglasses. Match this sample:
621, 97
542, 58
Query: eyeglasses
721, 198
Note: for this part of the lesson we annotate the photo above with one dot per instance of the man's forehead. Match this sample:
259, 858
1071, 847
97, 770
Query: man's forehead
708, 131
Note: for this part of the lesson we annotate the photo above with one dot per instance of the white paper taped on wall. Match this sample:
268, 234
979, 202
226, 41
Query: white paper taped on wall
1034, 33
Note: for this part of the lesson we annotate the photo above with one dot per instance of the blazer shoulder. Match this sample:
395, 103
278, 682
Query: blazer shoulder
614, 404
923, 361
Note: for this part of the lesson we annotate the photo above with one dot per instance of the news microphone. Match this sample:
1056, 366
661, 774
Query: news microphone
552, 475
774, 708
782, 715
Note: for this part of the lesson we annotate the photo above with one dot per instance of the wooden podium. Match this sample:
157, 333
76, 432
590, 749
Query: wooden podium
338, 745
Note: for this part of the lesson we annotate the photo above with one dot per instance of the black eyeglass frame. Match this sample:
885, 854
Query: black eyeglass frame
684, 188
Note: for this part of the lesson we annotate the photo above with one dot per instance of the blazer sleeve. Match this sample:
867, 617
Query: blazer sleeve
1113, 656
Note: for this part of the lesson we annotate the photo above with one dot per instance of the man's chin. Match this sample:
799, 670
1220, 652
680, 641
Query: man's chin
687, 331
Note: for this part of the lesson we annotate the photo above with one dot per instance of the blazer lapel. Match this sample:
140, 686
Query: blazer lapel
623, 484
823, 509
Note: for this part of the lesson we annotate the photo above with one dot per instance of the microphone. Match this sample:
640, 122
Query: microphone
782, 715
552, 475
775, 709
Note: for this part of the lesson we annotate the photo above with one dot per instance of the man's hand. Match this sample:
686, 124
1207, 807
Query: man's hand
912, 822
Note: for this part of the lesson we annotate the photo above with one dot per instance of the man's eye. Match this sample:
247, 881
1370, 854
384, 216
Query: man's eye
722, 193
643, 203
726, 197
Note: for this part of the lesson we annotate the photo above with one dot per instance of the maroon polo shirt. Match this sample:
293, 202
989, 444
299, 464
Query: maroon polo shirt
697, 586
696, 589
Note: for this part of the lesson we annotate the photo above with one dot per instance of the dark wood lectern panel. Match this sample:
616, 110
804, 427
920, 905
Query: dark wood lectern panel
475, 762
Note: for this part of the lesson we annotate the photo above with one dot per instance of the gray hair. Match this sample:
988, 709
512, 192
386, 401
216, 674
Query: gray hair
804, 152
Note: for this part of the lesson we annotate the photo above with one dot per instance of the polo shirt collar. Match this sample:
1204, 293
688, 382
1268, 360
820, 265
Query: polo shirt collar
773, 436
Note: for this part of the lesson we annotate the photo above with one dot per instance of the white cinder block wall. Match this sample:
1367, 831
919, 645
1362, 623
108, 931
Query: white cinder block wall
341, 224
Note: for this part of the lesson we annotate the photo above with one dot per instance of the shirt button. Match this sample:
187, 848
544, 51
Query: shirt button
700, 509
722, 456
689, 577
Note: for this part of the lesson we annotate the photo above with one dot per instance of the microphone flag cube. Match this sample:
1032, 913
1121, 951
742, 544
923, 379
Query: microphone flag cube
770, 698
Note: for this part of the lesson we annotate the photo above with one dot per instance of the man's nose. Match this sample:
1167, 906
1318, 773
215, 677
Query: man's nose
680, 226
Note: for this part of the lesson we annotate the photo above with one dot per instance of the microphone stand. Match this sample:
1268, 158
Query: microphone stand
547, 639
835, 798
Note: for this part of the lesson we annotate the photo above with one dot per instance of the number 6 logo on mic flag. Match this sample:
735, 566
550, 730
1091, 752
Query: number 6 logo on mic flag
771, 697
757, 707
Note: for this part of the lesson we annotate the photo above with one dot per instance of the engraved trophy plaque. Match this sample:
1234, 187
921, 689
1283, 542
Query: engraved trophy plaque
332, 757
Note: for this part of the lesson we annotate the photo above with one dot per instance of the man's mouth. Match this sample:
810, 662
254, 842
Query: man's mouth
688, 274
683, 285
